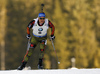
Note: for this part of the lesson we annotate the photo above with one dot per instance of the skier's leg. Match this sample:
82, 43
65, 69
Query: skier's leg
27, 56
33, 44
42, 49
28, 53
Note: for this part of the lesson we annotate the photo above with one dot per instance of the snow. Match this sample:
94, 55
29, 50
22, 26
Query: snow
52, 71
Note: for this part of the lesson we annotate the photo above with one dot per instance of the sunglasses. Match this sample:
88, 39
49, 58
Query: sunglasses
42, 18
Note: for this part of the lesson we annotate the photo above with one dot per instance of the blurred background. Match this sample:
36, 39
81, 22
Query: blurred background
77, 32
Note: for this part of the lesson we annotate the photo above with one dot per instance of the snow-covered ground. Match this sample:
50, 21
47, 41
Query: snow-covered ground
53, 71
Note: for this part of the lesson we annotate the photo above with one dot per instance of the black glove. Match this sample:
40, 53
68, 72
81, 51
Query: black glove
28, 36
52, 37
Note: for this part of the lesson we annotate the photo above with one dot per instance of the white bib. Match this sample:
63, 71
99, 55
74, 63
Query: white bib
40, 31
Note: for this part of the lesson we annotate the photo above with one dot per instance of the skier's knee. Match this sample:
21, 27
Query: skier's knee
41, 50
32, 45
42, 53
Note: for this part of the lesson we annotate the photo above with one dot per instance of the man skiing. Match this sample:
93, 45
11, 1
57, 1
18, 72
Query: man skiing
39, 26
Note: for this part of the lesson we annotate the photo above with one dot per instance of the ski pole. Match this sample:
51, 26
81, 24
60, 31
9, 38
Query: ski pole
28, 45
55, 50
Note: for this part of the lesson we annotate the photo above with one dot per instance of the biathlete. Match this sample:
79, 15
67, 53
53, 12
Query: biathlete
39, 26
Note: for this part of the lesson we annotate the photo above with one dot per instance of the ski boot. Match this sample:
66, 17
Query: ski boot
40, 66
22, 66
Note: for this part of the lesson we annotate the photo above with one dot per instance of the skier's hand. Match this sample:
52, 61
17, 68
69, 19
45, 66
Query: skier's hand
52, 37
28, 36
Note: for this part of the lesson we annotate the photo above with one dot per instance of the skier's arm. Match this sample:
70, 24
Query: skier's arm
52, 28
30, 25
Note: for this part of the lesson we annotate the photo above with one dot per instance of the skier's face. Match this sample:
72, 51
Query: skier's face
41, 19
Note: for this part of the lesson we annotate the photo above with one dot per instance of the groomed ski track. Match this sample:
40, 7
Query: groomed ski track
52, 71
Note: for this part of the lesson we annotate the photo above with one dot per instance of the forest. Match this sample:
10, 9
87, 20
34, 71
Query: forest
77, 32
